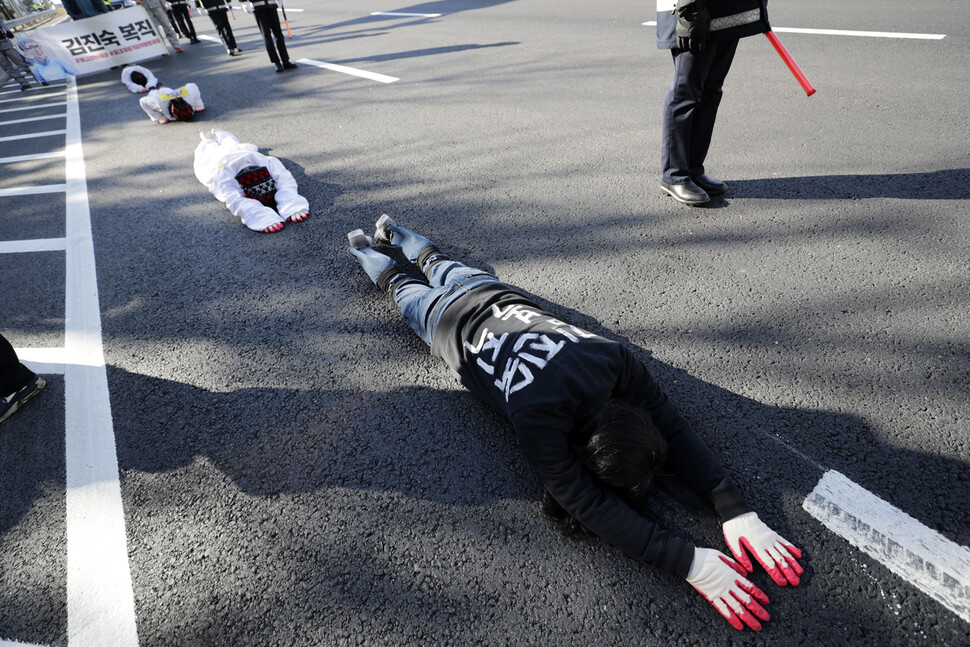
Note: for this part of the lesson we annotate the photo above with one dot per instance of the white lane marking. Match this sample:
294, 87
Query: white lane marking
864, 34
29, 119
28, 96
210, 38
928, 560
14, 643
45, 361
33, 190
843, 32
373, 76
412, 15
37, 107
100, 598
49, 133
31, 157
33, 245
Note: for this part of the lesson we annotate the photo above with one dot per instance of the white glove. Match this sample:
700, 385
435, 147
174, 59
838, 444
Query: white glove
719, 579
772, 551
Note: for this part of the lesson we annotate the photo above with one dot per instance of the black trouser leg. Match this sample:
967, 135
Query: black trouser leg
269, 25
221, 21
181, 12
13, 375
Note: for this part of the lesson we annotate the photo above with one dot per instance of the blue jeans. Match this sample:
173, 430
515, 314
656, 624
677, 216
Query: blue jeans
422, 302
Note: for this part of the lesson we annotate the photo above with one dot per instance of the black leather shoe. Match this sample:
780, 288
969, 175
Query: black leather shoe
710, 185
688, 193
290, 66
279, 67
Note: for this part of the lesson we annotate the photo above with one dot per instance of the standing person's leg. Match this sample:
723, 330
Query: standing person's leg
220, 19
705, 114
9, 64
164, 26
263, 18
185, 21
18, 384
681, 106
274, 23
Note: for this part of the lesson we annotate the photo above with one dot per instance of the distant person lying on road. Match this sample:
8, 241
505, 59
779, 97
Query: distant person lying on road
257, 188
138, 79
589, 417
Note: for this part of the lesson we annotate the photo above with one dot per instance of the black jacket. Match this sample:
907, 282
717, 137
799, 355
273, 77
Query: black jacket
730, 20
543, 374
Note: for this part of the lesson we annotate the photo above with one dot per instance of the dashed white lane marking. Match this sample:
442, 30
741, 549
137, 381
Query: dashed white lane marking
100, 599
373, 76
37, 107
48, 133
33, 245
934, 564
29, 119
32, 190
27, 96
844, 32
32, 157
409, 15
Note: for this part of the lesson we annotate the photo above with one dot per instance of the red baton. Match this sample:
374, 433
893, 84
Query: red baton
790, 62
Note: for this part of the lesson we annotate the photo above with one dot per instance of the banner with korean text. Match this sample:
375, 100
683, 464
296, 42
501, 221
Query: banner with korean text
91, 45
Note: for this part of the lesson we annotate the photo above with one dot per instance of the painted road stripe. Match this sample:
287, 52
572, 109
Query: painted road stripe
45, 361
24, 94
35, 245
411, 15
844, 32
373, 76
14, 643
29, 119
49, 133
43, 105
923, 557
865, 34
100, 599
33, 190
19, 99
30, 158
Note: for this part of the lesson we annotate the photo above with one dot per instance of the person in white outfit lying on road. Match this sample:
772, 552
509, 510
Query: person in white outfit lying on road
165, 104
257, 188
138, 79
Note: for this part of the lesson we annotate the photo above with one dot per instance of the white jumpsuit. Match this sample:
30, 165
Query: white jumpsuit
155, 103
126, 73
218, 160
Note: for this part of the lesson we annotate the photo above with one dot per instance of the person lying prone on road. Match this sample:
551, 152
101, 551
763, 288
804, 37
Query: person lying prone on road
164, 104
257, 188
589, 417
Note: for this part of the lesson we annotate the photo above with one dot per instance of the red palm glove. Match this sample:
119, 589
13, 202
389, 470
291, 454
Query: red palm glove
719, 579
772, 551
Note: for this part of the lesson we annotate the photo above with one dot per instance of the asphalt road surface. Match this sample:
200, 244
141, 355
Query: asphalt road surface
277, 460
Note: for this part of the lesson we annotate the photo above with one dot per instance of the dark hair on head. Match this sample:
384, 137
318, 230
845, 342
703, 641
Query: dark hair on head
622, 448
139, 78
180, 109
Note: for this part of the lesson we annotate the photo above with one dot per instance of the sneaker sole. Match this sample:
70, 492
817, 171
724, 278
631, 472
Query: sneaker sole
38, 387
358, 239
380, 232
